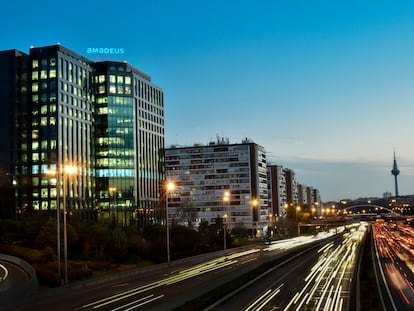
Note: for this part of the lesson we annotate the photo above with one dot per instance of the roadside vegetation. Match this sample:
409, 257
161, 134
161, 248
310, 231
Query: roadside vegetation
96, 249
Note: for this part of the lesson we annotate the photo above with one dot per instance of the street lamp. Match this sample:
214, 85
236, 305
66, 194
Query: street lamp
313, 211
226, 198
169, 187
297, 219
113, 190
66, 171
255, 203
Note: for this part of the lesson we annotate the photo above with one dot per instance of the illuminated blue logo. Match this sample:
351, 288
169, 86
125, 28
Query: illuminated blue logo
114, 51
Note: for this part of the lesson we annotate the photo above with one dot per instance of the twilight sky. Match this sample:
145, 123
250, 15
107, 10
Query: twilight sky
327, 87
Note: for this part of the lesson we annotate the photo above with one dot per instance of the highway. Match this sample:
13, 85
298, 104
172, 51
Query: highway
318, 278
394, 263
164, 287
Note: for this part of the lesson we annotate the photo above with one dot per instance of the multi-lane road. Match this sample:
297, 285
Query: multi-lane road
306, 273
164, 287
394, 263
319, 278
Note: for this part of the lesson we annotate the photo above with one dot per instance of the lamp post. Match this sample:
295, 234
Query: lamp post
226, 198
170, 187
113, 190
297, 219
68, 170
255, 203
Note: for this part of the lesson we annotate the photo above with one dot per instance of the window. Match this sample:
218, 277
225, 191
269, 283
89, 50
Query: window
35, 145
35, 63
43, 74
35, 75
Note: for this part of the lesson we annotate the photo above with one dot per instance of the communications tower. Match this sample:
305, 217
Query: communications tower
395, 171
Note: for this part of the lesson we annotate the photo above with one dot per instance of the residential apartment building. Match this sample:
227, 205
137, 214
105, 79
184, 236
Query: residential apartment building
276, 181
104, 118
203, 174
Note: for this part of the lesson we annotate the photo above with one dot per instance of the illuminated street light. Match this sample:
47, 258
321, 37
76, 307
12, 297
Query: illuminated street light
169, 187
115, 207
67, 171
297, 219
313, 212
226, 198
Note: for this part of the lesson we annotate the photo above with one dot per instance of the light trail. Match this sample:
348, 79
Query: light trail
323, 289
209, 266
6, 273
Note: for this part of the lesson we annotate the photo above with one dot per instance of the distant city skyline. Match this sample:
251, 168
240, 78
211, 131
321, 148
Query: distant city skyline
325, 87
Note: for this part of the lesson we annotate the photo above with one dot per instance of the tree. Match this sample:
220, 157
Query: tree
118, 247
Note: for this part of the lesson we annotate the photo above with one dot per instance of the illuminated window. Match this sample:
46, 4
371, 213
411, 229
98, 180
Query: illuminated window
35, 63
35, 145
35, 181
35, 156
120, 79
52, 121
103, 110
112, 89
101, 89
36, 203
35, 75
52, 62
35, 169
35, 98
52, 73
43, 74
127, 80
43, 121
35, 87
53, 194
44, 144
52, 144
45, 205
112, 78
43, 109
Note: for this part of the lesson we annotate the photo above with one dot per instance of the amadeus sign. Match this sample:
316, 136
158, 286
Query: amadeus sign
115, 51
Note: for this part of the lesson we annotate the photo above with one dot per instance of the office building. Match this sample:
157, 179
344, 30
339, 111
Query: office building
205, 173
104, 118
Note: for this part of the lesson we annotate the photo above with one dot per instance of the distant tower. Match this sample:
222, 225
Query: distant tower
395, 171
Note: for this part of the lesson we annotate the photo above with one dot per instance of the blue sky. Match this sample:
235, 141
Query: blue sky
325, 86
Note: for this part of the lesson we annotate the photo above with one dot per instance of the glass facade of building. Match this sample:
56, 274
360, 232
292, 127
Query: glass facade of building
104, 118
